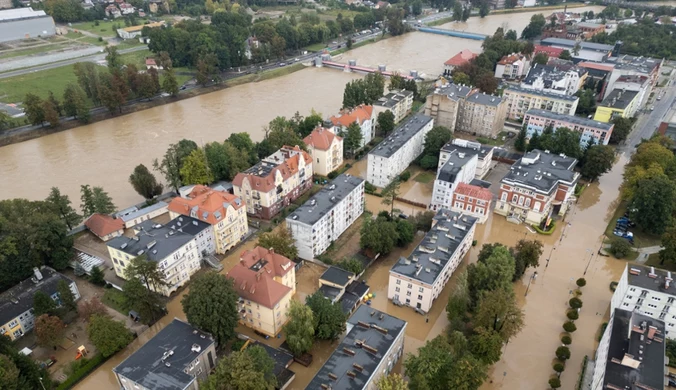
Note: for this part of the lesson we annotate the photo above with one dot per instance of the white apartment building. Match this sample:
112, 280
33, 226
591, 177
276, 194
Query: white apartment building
364, 115
399, 102
325, 216
203, 232
392, 156
484, 154
418, 280
460, 167
520, 100
512, 66
554, 79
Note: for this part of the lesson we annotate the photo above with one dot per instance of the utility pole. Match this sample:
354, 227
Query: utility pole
532, 277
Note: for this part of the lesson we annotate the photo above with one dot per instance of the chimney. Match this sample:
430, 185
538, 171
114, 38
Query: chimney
271, 250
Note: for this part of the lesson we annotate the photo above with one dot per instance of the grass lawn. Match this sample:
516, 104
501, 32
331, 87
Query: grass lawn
425, 177
137, 58
654, 260
641, 239
92, 41
104, 29
34, 50
127, 43
14, 89
113, 298
495, 142
316, 47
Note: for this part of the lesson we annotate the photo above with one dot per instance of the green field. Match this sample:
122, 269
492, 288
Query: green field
104, 29
114, 299
14, 89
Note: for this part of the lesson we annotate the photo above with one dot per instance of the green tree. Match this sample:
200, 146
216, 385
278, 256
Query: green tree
211, 305
534, 28
75, 103
61, 206
385, 122
34, 109
621, 129
486, 345
66, 296
654, 204
9, 374
49, 330
575, 303
195, 169
563, 353
5, 121
351, 264
457, 11
498, 310
565, 55
379, 235
458, 304
435, 139
668, 252
113, 59
483, 9
102, 202
169, 82
520, 141
251, 369
598, 159
569, 326
554, 383
108, 335
587, 102
145, 183
526, 254
89, 307
172, 162
391, 382
139, 298
541, 59
461, 78
495, 273
51, 116
619, 247
42, 304
405, 232
146, 271
390, 194
299, 330
96, 276
55, 103
329, 320
352, 139
281, 241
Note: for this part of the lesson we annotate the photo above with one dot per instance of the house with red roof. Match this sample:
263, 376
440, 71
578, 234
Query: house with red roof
104, 226
550, 51
512, 66
463, 57
326, 149
364, 115
265, 282
472, 200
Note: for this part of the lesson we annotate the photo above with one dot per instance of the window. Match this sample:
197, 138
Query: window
528, 202
521, 201
515, 198
469, 207
536, 208
408, 293
503, 197
420, 297
420, 289
410, 285
656, 299
398, 281
397, 289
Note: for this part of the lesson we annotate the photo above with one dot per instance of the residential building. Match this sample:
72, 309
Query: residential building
152, 64
631, 354
16, 304
481, 114
274, 182
443, 104
537, 186
341, 286
590, 29
399, 102
133, 216
484, 154
626, 65
619, 103
573, 31
649, 291
512, 66
520, 100
586, 51
392, 156
640, 84
325, 216
224, 211
265, 282
463, 57
590, 130
175, 253
667, 129
135, 31
326, 150
155, 6
371, 348
472, 200
555, 80
550, 51
112, 11
127, 9
565, 16
362, 114
25, 23
202, 231
418, 280
104, 226
178, 357
460, 167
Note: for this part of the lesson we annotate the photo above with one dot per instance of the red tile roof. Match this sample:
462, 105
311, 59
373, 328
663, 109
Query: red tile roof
258, 285
549, 50
321, 138
510, 59
150, 61
474, 191
102, 225
208, 202
461, 58
287, 169
275, 262
358, 114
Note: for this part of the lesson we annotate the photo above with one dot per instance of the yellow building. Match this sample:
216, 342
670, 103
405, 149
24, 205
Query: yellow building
265, 282
326, 149
619, 103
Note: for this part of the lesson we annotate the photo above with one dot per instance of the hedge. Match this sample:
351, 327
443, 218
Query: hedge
549, 232
82, 372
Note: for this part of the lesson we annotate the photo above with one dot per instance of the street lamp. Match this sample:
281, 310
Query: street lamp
532, 277
589, 262
43, 386
550, 256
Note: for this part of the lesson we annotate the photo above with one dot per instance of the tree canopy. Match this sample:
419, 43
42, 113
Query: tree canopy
329, 320
300, 329
281, 241
107, 335
145, 183
211, 305
251, 369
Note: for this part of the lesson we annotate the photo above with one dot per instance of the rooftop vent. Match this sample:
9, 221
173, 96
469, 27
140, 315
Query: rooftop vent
196, 348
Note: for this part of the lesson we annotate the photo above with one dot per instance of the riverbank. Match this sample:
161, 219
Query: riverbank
439, 22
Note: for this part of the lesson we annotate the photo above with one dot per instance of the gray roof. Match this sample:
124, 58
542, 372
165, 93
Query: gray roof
326, 199
570, 98
141, 212
549, 74
453, 91
13, 110
154, 240
392, 98
472, 148
378, 332
187, 224
456, 160
337, 276
619, 99
348, 302
638, 275
639, 64
589, 25
147, 367
542, 171
19, 299
430, 257
570, 118
401, 135
330, 292
484, 99
571, 43
20, 13
643, 338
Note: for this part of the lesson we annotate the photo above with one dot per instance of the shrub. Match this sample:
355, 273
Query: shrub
581, 282
405, 176
619, 247
558, 367
572, 315
237, 344
575, 303
565, 339
81, 372
332, 175
613, 286
369, 188
602, 331
555, 383
563, 353
569, 326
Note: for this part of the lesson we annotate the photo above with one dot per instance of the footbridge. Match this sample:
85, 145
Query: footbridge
452, 33
351, 66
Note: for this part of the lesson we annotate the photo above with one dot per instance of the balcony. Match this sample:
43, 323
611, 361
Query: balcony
256, 196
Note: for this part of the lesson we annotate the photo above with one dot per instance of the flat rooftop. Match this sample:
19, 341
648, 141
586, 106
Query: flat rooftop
484, 99
326, 199
187, 224
393, 98
453, 91
337, 276
580, 121
370, 334
457, 159
651, 278
130, 214
619, 99
570, 43
548, 95
542, 171
401, 135
467, 147
154, 240
430, 257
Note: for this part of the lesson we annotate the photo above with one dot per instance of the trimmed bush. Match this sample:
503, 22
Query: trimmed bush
558, 367
581, 282
563, 353
555, 383
575, 303
619, 247
572, 315
613, 286
332, 175
569, 326
82, 372
405, 176
565, 339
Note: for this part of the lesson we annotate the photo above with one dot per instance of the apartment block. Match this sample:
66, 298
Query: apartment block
399, 102
538, 185
460, 167
265, 282
325, 216
326, 150
590, 130
619, 103
444, 104
372, 346
418, 280
203, 232
178, 357
484, 154
512, 66
392, 156
554, 79
626, 65
482, 115
16, 304
520, 100
224, 211
472, 200
275, 182
365, 117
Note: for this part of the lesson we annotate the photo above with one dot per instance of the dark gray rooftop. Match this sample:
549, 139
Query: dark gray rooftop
187, 224
430, 257
619, 99
337, 276
392, 98
401, 135
570, 118
358, 288
471, 148
370, 334
329, 292
155, 240
282, 361
147, 367
542, 171
262, 168
453, 91
19, 299
571, 43
570, 98
457, 159
639, 64
348, 302
326, 199
641, 337
651, 278
484, 99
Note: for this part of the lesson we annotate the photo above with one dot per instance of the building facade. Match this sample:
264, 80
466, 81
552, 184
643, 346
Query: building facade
443, 104
134, 216
590, 130
276, 181
463, 57
396, 152
326, 149
555, 80
520, 100
460, 167
418, 280
326, 215
472, 200
482, 115
104, 226
362, 114
537, 185
399, 102
619, 103
203, 232
484, 154
512, 66
25, 23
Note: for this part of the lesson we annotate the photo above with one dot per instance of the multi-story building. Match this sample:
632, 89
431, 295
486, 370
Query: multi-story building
631, 354
512, 66
444, 104
326, 149
175, 253
640, 84
626, 65
203, 232
372, 346
418, 280
392, 156
586, 51
472, 200
362, 114
482, 114
274, 182
484, 154
575, 31
555, 80
265, 282
590, 130
16, 304
224, 211
343, 287
520, 100
399, 102
325, 216
178, 357
536, 186
463, 57
460, 167
619, 103
104, 226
